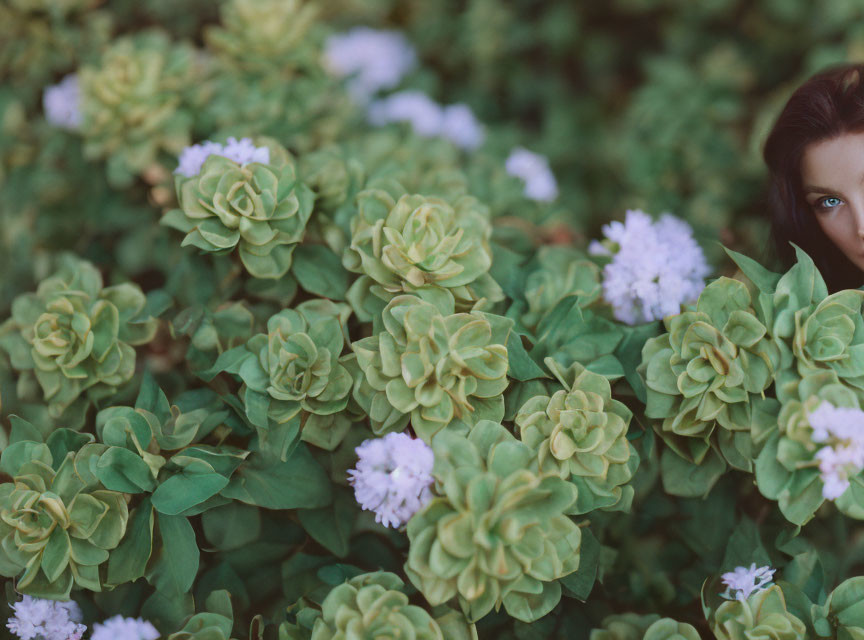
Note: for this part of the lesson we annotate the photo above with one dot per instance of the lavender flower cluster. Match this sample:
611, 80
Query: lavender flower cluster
655, 268
392, 477
455, 122
241, 151
841, 429
41, 619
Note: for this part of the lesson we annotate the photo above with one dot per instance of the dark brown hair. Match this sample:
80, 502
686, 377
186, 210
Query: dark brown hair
829, 104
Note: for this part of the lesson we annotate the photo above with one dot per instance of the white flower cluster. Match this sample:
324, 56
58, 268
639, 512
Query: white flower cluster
429, 119
373, 59
240, 151
655, 267
533, 169
842, 431
38, 619
62, 103
392, 477
120, 628
742, 582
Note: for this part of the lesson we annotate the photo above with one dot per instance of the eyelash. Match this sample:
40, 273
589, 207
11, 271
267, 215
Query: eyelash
822, 208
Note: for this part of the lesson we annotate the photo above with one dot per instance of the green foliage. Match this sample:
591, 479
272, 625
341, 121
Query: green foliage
178, 425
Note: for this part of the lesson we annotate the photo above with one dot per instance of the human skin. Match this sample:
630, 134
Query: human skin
832, 175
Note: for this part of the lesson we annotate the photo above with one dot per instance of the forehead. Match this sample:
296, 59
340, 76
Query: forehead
836, 162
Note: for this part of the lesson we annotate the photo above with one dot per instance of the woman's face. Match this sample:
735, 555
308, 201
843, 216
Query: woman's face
832, 173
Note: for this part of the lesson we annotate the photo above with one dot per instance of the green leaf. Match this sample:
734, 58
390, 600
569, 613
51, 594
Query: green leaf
580, 583
23, 430
607, 366
745, 547
232, 526
62, 441
766, 281
197, 482
175, 570
331, 526
297, 483
687, 480
168, 611
506, 270
257, 407
151, 398
122, 470
55, 555
158, 302
22, 452
320, 272
228, 361
629, 354
520, 364
128, 561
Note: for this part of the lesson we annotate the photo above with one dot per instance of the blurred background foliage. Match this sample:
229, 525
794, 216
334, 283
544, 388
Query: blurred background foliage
658, 104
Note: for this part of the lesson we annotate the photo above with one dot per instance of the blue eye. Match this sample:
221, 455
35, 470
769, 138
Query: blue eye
828, 202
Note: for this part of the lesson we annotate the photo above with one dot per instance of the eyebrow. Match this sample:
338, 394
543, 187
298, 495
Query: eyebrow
815, 189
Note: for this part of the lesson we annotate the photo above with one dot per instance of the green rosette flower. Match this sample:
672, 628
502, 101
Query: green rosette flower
786, 469
264, 36
57, 522
830, 336
813, 330
259, 210
131, 103
432, 368
294, 368
560, 272
704, 380
373, 605
762, 615
414, 243
497, 533
632, 626
580, 434
75, 335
